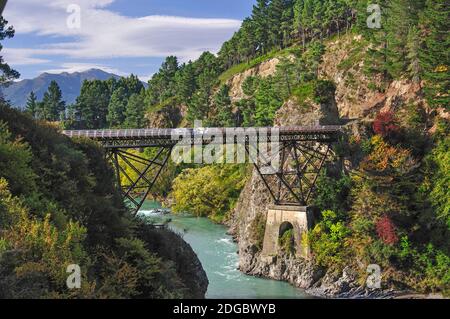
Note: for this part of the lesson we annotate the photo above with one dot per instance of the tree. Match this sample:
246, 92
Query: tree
53, 107
185, 81
162, 85
117, 107
259, 16
32, 104
413, 57
7, 74
434, 55
268, 102
134, 114
223, 105
92, 105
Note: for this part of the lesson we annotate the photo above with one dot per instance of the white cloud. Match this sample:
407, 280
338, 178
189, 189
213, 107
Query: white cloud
80, 67
106, 34
21, 57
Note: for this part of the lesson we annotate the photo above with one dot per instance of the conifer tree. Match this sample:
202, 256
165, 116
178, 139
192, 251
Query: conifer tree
117, 107
32, 104
53, 107
434, 55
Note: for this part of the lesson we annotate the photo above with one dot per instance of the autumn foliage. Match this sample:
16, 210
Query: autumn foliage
385, 124
386, 230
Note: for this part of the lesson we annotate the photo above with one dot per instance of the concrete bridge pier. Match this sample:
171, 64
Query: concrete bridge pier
283, 218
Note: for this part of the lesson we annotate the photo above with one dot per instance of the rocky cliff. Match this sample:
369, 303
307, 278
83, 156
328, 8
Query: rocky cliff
262, 70
355, 97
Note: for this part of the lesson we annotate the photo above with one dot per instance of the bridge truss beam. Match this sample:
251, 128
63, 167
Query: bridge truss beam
300, 163
136, 175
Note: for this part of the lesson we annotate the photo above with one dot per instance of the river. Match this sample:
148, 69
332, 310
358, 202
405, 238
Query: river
218, 255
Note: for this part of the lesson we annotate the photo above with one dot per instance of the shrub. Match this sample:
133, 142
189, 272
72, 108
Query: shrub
328, 240
386, 125
287, 242
386, 230
258, 228
210, 191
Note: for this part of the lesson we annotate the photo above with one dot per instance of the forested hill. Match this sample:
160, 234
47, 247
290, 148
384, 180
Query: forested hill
411, 44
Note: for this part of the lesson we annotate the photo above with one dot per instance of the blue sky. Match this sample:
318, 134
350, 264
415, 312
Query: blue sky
119, 36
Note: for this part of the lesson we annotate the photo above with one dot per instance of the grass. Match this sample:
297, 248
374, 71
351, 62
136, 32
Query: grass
244, 66
163, 104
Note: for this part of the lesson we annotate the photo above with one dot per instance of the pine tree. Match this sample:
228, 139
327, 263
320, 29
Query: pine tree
7, 74
434, 55
134, 114
400, 18
32, 106
298, 27
286, 23
260, 17
223, 105
275, 13
413, 60
52, 104
185, 81
117, 107
92, 104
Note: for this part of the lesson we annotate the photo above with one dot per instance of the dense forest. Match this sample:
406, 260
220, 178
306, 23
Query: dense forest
392, 208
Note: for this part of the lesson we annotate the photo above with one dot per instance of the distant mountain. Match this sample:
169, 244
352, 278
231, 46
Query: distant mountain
70, 84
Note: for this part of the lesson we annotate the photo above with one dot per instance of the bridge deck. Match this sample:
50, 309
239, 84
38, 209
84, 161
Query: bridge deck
158, 137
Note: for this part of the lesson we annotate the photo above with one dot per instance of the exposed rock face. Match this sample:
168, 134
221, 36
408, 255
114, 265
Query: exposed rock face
307, 113
172, 247
263, 70
358, 95
169, 116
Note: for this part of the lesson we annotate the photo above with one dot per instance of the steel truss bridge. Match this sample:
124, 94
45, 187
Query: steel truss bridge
301, 152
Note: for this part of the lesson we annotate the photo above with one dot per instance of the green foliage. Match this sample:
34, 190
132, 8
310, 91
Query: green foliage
222, 102
92, 105
134, 114
210, 191
328, 240
52, 107
15, 157
333, 193
32, 104
117, 107
434, 57
437, 179
258, 228
7, 74
287, 243
71, 214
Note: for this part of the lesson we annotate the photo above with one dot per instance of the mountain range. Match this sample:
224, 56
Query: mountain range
70, 84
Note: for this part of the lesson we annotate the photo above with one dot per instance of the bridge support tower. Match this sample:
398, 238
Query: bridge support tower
282, 218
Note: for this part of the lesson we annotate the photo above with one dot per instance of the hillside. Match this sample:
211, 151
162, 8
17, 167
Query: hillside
59, 206
383, 200
69, 83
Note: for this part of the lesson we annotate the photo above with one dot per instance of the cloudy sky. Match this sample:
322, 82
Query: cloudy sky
119, 36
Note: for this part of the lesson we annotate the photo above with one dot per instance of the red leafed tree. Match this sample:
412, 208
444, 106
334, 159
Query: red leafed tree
385, 124
386, 230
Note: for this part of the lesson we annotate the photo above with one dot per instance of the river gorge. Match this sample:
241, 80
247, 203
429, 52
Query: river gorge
218, 254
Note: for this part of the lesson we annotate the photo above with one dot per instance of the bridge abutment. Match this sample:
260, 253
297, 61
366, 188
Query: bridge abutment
281, 218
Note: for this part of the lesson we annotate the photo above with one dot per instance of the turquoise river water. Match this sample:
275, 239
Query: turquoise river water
218, 255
